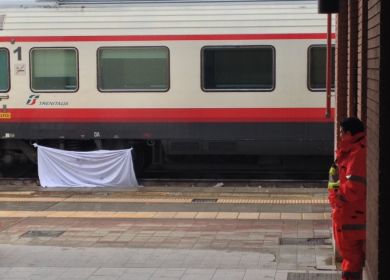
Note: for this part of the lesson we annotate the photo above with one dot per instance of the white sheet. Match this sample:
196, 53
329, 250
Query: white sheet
103, 168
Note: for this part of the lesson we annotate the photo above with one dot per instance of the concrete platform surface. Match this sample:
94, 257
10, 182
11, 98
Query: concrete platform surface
164, 231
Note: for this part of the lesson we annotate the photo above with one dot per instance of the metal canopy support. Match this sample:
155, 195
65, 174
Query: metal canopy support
328, 7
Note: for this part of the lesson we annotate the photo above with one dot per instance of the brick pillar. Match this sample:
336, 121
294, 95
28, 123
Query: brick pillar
352, 57
341, 66
378, 137
384, 142
362, 61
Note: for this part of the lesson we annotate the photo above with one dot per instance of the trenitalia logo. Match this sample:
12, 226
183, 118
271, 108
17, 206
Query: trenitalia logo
32, 99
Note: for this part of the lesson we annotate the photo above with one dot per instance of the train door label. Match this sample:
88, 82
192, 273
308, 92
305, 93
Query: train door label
20, 69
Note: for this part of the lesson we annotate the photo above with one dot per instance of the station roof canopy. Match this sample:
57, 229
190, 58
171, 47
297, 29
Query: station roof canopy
118, 2
156, 17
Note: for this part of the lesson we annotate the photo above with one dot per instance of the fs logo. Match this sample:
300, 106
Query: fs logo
32, 99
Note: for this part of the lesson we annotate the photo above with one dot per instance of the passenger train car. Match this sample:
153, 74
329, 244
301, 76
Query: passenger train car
169, 78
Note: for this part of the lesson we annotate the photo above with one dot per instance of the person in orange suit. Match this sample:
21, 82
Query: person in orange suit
347, 196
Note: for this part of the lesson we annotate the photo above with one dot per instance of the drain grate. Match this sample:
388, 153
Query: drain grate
313, 276
204, 200
42, 233
305, 241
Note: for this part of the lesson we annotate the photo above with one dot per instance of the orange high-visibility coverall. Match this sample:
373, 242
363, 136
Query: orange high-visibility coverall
349, 205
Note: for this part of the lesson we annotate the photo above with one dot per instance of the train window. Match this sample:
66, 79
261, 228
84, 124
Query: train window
317, 67
54, 69
238, 68
4, 70
133, 69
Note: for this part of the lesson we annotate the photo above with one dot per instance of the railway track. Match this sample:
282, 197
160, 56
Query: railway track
227, 185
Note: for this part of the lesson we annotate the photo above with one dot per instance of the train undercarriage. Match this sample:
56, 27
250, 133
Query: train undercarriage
177, 159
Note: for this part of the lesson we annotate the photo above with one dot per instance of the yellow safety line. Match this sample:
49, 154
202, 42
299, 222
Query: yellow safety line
17, 192
167, 215
163, 200
31, 199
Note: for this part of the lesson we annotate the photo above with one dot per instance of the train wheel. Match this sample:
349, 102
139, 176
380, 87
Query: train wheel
15, 164
141, 158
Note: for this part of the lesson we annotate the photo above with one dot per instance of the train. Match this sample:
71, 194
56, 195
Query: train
172, 79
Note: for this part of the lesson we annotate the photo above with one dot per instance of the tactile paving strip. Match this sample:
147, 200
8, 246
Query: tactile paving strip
165, 200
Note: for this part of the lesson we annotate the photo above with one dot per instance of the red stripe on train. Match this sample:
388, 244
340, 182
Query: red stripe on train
196, 115
194, 37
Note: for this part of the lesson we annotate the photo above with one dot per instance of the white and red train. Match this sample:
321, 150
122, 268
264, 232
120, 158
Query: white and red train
167, 77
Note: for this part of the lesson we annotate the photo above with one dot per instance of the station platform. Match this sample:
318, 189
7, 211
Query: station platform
167, 230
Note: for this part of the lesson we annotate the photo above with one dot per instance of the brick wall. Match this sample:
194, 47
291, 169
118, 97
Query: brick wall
373, 124
341, 66
352, 58
360, 92
362, 61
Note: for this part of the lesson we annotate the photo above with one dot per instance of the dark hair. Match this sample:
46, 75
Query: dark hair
353, 125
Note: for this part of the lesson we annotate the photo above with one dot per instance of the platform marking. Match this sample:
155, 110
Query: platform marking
166, 215
162, 200
17, 192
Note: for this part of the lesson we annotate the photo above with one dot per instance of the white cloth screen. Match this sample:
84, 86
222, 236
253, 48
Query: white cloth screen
103, 168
